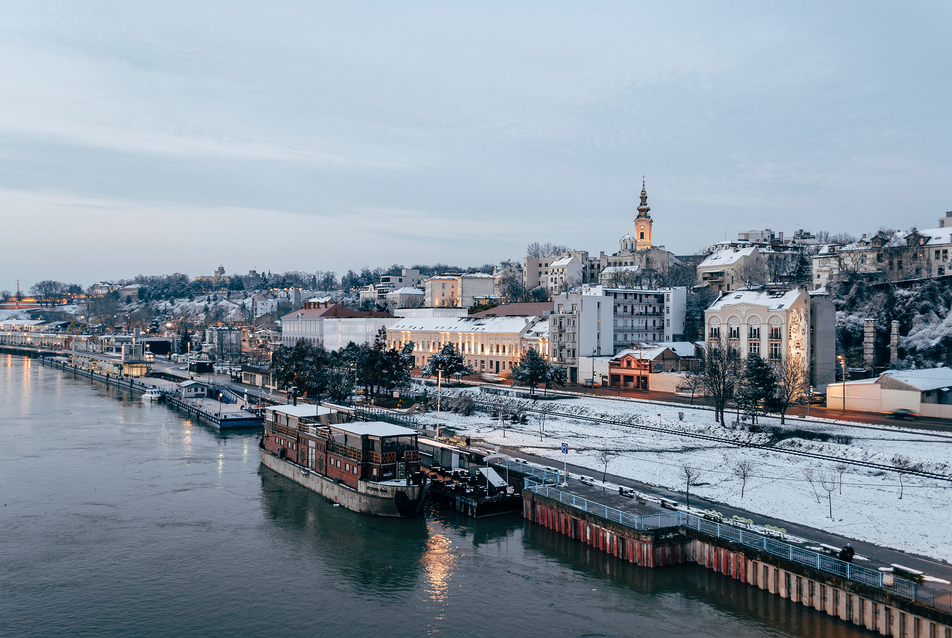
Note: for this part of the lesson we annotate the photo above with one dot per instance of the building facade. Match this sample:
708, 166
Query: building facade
490, 345
779, 325
333, 326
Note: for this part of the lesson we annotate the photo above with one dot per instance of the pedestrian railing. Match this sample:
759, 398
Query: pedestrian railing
821, 562
379, 414
536, 474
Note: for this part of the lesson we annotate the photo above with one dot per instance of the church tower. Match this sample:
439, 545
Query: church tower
643, 221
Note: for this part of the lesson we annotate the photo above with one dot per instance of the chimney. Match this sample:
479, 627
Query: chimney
869, 342
894, 342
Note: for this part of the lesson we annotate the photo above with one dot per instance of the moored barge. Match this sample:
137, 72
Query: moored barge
368, 467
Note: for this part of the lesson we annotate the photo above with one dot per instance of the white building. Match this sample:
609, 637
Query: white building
333, 326
562, 274
778, 325
580, 325
405, 297
489, 344
644, 314
924, 392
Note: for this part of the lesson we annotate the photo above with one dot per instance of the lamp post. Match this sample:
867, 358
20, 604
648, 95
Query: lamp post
439, 388
843, 363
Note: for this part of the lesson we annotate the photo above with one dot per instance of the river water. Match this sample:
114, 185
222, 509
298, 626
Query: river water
124, 518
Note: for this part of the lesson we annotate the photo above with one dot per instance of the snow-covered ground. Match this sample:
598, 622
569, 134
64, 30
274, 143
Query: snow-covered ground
869, 507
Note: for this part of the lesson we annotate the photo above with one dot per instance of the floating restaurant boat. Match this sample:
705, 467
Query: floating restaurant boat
368, 467
152, 394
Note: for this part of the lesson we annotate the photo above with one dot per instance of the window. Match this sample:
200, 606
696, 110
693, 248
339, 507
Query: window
755, 347
642, 235
775, 332
945, 254
941, 270
937, 254
754, 332
879, 257
733, 332
715, 332
775, 351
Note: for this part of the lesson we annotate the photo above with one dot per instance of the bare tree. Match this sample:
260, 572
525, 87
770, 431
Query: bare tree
693, 382
902, 465
690, 476
605, 457
791, 385
827, 479
720, 369
754, 271
541, 251
840, 470
742, 469
810, 475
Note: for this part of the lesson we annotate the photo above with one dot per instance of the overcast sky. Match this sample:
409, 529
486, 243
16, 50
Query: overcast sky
160, 137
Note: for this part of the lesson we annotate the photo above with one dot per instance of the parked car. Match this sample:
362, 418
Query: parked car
589, 383
903, 413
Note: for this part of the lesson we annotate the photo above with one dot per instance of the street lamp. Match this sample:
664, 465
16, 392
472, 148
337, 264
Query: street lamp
842, 360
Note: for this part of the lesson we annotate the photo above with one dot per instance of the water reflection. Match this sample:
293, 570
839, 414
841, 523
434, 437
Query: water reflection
370, 552
720, 593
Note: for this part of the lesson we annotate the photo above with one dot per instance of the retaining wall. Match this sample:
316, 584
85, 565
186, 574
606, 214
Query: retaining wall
876, 610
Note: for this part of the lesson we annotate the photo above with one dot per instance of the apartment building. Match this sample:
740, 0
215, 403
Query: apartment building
580, 325
778, 324
459, 291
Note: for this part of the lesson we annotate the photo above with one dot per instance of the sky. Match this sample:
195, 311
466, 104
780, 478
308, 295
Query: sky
150, 138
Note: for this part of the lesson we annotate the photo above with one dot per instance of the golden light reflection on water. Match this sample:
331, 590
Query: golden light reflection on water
187, 439
439, 561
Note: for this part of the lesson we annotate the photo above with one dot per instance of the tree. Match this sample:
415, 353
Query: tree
790, 387
5, 296
531, 370
449, 361
692, 382
827, 481
742, 469
720, 369
605, 457
555, 376
902, 465
754, 271
541, 251
47, 291
757, 386
690, 475
302, 365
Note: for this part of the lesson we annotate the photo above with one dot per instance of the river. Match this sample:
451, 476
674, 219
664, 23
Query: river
123, 518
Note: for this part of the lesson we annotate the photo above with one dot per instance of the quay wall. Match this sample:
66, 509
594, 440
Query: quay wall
876, 610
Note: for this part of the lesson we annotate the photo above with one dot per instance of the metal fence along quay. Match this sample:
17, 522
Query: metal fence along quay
821, 562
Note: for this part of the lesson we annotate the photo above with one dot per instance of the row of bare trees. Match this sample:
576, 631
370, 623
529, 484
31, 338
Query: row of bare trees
756, 385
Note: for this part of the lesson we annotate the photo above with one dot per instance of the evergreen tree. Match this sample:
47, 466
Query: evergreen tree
757, 387
531, 371
555, 377
449, 361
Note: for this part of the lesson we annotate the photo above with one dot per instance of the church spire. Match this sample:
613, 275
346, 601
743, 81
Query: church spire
643, 209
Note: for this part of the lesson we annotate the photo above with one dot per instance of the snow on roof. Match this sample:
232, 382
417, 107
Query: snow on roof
680, 348
564, 261
648, 353
374, 428
610, 270
922, 380
938, 236
301, 410
726, 256
190, 383
513, 325
769, 299
408, 290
